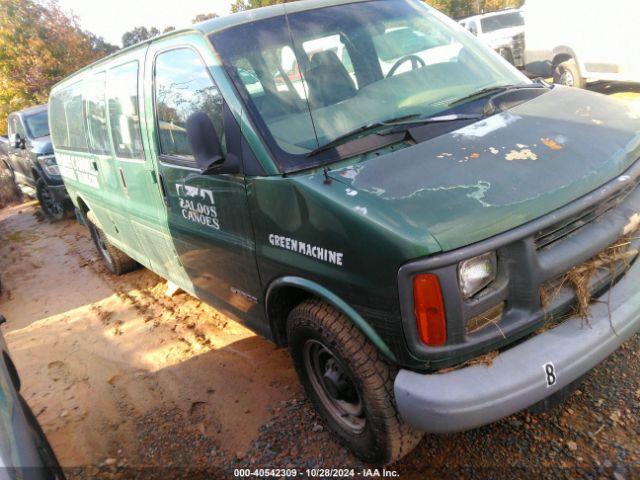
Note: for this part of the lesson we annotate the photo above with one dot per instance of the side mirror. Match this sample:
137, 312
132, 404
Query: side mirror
206, 147
16, 141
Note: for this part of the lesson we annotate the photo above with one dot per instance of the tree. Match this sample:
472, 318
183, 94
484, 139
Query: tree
242, 5
99, 44
168, 29
39, 46
465, 8
204, 16
139, 34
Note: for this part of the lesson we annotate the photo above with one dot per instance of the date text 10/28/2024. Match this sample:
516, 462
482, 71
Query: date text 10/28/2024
315, 473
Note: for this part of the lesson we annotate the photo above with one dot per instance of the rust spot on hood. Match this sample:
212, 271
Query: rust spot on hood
552, 144
523, 154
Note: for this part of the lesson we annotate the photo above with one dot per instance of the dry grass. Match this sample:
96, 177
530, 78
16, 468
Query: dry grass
8, 192
579, 277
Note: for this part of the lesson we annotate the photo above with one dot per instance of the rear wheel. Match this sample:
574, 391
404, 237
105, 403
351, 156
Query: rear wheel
53, 208
348, 382
115, 260
567, 73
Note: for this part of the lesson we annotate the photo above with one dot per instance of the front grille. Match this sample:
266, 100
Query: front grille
550, 235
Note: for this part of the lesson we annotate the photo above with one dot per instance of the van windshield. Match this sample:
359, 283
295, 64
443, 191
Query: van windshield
498, 22
310, 77
37, 124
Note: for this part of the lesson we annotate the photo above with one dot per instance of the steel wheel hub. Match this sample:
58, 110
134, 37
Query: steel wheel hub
334, 387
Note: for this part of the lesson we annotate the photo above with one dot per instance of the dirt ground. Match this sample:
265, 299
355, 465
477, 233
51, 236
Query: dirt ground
129, 383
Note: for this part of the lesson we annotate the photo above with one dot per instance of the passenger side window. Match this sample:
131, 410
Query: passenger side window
122, 100
183, 87
68, 119
75, 119
96, 114
59, 132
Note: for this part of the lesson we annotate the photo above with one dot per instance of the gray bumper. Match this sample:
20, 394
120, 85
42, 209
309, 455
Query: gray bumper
475, 396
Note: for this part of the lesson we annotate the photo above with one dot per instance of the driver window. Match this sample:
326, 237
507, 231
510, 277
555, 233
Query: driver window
183, 86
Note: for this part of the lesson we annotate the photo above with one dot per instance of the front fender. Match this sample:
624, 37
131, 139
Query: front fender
333, 299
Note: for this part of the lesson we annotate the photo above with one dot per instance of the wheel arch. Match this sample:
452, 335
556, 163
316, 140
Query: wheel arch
564, 53
285, 293
85, 210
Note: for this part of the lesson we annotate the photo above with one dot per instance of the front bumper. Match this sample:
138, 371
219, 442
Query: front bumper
60, 193
475, 396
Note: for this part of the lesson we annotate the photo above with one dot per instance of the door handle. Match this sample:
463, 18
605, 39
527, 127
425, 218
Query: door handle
123, 181
163, 190
94, 165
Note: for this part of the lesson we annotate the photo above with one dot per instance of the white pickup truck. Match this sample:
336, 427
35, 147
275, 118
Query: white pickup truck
503, 31
577, 42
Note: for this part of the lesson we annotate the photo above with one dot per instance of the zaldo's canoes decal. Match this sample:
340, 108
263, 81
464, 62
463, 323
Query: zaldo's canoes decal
78, 169
307, 249
198, 205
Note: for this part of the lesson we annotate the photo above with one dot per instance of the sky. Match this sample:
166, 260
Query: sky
111, 18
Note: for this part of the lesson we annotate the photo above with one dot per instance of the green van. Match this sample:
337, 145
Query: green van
367, 184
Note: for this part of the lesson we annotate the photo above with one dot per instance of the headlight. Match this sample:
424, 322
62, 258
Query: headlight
477, 273
48, 163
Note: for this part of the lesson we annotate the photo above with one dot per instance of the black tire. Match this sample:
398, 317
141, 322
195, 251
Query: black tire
115, 260
53, 209
372, 429
567, 73
50, 463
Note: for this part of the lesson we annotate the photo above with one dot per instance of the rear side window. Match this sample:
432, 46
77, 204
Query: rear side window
68, 119
122, 100
183, 87
58, 119
96, 112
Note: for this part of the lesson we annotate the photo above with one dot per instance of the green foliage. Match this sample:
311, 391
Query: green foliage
465, 8
204, 16
242, 5
453, 8
39, 46
139, 34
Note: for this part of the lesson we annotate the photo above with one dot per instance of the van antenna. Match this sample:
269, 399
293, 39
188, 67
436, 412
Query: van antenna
327, 180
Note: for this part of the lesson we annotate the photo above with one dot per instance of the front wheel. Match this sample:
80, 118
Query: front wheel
52, 207
567, 73
115, 260
348, 382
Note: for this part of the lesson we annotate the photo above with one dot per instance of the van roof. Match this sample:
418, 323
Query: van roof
221, 23
31, 110
489, 14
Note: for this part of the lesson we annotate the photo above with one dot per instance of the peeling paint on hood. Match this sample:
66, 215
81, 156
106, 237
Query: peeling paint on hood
461, 187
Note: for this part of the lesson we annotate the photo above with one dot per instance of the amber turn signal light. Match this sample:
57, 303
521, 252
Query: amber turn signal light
429, 310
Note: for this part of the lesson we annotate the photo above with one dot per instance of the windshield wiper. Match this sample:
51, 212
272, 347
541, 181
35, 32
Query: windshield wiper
405, 121
363, 129
483, 92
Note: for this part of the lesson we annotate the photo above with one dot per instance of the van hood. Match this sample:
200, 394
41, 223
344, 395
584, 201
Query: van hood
503, 171
502, 37
42, 145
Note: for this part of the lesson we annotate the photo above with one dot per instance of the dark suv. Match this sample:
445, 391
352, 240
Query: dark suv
29, 156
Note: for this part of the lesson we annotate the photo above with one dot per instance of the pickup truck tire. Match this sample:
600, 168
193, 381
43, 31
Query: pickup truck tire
567, 73
116, 261
52, 207
348, 382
